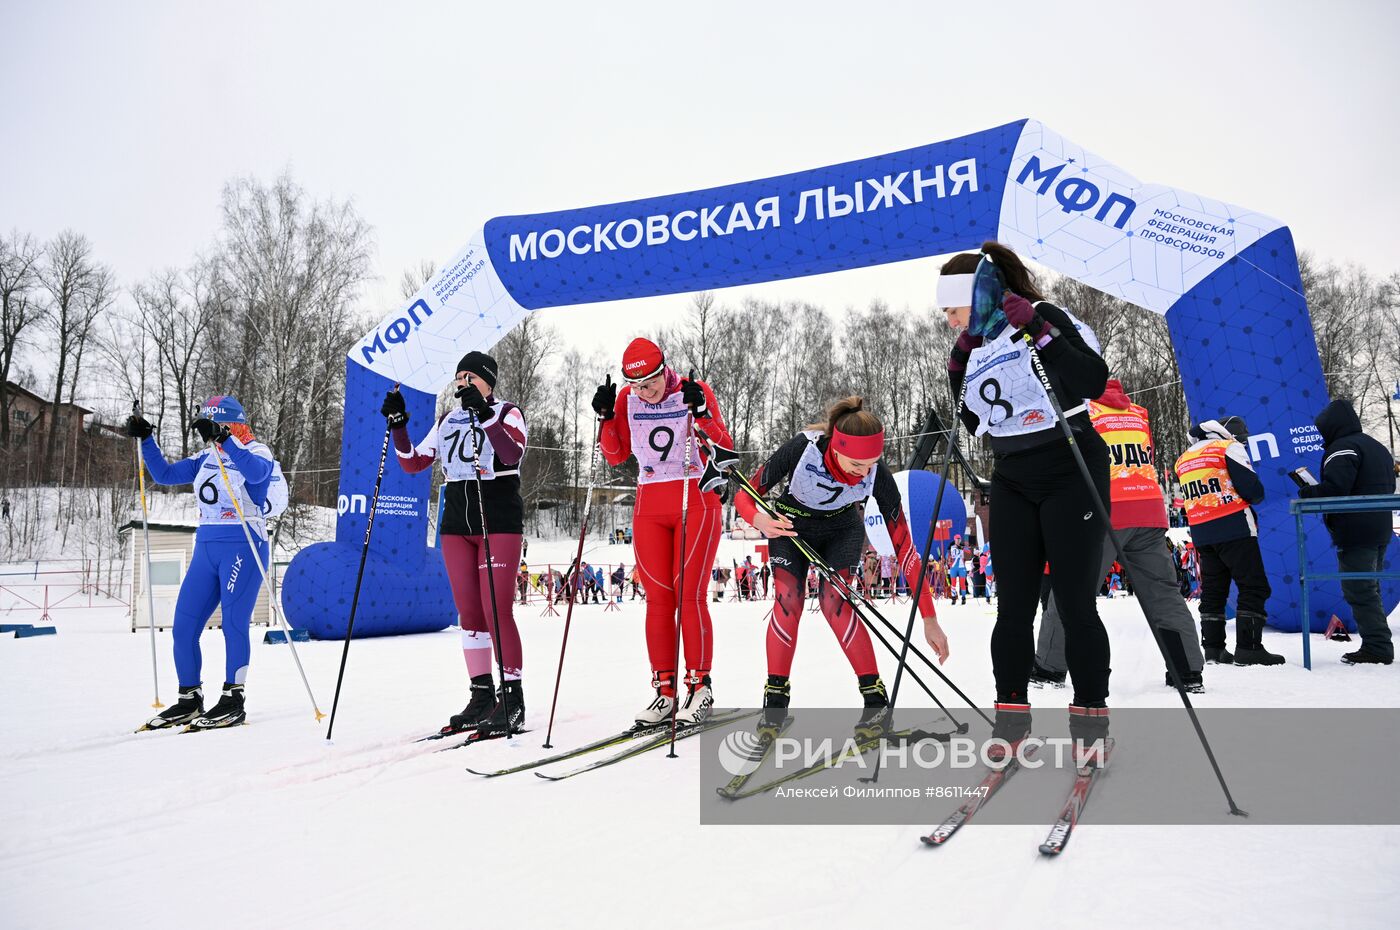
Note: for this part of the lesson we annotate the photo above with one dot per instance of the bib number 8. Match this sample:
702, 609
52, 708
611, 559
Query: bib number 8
995, 400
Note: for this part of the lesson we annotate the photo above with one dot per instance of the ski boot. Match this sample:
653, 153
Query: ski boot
1249, 641
1013, 724
660, 707
185, 710
228, 712
1362, 657
1042, 677
1191, 681
776, 695
699, 698
875, 717
483, 699
1213, 640
1088, 727
508, 716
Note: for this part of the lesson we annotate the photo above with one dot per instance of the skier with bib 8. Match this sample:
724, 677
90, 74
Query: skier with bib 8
1042, 508
222, 572
649, 419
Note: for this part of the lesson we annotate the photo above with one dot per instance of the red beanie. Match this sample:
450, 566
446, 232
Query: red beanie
642, 360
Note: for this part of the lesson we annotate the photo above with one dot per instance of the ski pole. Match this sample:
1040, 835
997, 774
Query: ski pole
146, 536
923, 565
1103, 513
578, 558
680, 579
478, 438
271, 594
359, 576
856, 600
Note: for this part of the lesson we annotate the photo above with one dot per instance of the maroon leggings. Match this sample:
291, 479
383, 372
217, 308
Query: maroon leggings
465, 558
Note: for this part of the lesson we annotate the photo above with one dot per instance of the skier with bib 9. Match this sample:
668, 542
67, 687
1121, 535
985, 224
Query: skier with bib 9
648, 419
222, 572
1042, 509
481, 443
827, 472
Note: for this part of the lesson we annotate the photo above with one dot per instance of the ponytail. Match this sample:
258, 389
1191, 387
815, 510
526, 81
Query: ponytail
1019, 279
850, 417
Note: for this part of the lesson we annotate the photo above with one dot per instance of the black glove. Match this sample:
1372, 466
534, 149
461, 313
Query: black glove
395, 410
472, 400
137, 427
605, 400
694, 397
210, 431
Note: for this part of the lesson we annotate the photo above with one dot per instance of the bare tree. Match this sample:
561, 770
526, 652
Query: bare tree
289, 271
19, 308
79, 289
413, 279
174, 311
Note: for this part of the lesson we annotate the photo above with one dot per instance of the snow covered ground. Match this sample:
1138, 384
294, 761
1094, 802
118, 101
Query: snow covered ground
268, 826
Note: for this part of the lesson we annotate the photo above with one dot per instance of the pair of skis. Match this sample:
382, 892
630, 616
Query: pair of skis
633, 742
1058, 838
737, 788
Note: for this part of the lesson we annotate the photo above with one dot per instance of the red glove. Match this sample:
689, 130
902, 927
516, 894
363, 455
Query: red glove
957, 361
1021, 314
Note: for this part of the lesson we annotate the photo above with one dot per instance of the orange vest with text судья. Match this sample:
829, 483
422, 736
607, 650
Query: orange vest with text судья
1206, 485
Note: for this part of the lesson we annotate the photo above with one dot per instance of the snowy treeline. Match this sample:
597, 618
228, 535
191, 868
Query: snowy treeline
268, 308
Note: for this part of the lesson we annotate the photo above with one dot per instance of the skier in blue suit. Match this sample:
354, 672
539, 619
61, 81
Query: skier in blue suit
222, 572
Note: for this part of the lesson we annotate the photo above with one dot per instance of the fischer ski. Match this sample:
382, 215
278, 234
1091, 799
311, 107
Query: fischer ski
758, 754
656, 742
860, 748
989, 786
607, 742
1085, 776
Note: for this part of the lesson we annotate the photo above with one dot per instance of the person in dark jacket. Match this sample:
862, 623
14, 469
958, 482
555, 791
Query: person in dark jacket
1220, 487
1355, 464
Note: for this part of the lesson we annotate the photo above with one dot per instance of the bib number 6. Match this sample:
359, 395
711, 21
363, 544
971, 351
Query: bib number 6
208, 492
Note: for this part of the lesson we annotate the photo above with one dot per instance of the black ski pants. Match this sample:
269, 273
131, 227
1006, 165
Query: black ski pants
1240, 561
1042, 510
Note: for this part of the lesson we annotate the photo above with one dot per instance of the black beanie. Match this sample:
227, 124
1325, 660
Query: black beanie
481, 365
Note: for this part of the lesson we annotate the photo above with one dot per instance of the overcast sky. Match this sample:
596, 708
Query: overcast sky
123, 120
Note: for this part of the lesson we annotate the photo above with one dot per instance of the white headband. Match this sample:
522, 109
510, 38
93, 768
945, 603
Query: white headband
955, 290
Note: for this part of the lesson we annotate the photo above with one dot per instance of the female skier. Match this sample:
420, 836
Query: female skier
221, 572
483, 438
648, 419
1041, 507
829, 471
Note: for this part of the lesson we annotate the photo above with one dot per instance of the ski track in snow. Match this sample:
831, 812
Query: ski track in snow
268, 826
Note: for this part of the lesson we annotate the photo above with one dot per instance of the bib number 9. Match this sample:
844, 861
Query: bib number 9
667, 439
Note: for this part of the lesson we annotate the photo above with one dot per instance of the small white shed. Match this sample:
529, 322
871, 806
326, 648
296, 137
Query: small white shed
172, 546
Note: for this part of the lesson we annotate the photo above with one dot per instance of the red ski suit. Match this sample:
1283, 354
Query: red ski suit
656, 521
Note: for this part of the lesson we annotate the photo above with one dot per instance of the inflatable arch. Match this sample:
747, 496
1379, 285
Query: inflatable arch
1226, 279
